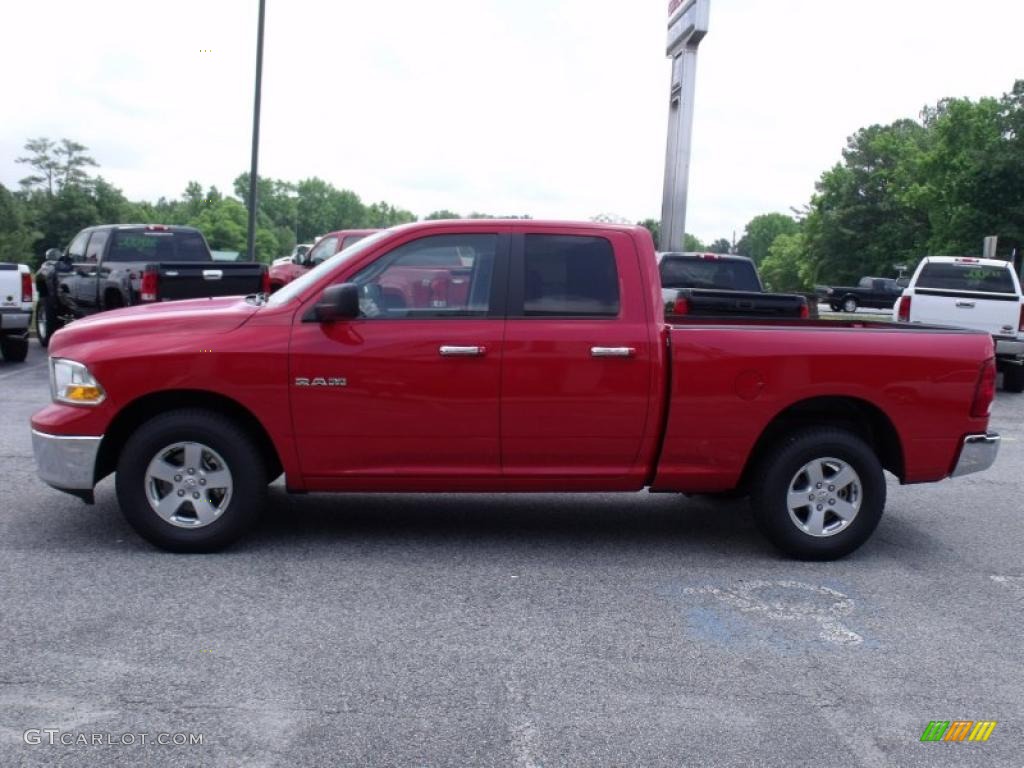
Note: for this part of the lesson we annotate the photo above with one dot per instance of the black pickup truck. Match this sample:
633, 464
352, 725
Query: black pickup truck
872, 292
120, 265
721, 285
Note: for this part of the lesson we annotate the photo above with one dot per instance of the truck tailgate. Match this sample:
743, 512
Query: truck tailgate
197, 280
994, 313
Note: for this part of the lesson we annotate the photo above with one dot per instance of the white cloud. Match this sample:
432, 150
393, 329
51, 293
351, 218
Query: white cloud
555, 108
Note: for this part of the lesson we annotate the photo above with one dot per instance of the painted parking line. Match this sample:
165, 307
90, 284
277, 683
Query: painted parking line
22, 370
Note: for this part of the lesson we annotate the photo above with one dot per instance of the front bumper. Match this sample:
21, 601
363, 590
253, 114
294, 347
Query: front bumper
67, 463
978, 454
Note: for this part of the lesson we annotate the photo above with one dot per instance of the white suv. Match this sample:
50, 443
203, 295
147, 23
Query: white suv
983, 294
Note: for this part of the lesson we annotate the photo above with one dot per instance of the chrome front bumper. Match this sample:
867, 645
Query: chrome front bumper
978, 454
66, 463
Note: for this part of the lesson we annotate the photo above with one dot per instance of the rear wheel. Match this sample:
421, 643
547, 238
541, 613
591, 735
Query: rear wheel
819, 494
849, 304
1013, 378
190, 481
836, 306
47, 320
14, 349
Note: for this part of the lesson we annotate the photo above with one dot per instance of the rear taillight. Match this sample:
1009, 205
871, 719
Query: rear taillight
805, 311
26, 287
150, 286
904, 313
682, 307
985, 391
265, 281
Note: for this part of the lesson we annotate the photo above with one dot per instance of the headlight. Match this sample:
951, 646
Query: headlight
71, 382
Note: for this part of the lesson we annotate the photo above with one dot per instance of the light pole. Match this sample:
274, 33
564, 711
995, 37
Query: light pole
253, 201
687, 25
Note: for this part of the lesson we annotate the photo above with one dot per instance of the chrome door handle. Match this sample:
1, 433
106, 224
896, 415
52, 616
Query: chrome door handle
447, 351
612, 351
965, 304
213, 274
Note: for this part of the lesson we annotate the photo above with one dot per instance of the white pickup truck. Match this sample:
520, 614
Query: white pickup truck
16, 297
982, 294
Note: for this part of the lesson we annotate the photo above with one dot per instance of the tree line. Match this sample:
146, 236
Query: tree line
933, 185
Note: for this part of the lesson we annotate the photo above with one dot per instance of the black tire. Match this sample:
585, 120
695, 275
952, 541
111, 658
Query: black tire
779, 470
14, 349
836, 306
1013, 378
48, 322
230, 443
850, 304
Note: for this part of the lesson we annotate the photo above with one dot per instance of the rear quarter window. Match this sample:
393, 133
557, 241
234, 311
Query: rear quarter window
966, 277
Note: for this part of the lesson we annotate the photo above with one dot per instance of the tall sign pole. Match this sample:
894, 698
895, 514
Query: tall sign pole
253, 198
687, 26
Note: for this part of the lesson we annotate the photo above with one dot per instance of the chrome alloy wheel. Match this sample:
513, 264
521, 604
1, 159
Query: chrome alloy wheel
824, 497
188, 485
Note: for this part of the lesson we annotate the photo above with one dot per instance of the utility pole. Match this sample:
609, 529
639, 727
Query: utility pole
253, 193
687, 26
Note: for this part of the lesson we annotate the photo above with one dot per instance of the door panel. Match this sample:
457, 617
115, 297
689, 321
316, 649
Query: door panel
576, 385
411, 388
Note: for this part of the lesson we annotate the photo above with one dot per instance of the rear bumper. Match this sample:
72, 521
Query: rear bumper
977, 454
14, 319
64, 462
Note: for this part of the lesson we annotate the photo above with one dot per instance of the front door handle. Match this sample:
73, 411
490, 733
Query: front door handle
965, 304
612, 351
447, 351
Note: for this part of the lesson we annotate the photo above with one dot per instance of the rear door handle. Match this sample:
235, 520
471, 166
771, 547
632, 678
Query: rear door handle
213, 274
612, 351
448, 351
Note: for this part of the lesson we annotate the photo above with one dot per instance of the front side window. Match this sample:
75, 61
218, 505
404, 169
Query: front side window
436, 277
76, 251
569, 275
350, 239
324, 249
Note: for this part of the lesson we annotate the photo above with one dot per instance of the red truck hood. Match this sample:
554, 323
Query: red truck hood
193, 316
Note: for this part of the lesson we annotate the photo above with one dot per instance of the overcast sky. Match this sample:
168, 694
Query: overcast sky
555, 108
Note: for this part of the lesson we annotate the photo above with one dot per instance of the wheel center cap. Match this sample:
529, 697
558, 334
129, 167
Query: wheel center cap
190, 482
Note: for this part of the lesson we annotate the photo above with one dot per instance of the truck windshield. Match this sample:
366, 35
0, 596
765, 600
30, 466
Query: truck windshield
297, 286
728, 275
966, 276
145, 245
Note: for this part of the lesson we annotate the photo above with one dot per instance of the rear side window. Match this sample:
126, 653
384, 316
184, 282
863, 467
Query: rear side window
568, 275
143, 245
966, 277
728, 275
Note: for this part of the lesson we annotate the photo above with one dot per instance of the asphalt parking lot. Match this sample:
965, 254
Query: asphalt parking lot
539, 630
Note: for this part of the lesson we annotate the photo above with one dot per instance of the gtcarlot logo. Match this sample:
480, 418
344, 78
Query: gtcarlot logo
958, 730
57, 737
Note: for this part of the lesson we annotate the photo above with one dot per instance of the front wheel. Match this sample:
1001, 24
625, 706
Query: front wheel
1013, 378
47, 320
849, 304
819, 494
190, 481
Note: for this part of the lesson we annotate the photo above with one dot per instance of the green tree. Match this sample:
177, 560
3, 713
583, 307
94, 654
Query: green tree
761, 232
444, 213
43, 161
72, 162
784, 268
16, 237
721, 245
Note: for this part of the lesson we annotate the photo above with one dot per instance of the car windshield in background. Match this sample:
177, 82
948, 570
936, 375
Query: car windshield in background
966, 277
297, 286
144, 245
708, 273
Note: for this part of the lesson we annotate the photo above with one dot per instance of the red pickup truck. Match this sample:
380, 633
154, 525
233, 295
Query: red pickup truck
497, 356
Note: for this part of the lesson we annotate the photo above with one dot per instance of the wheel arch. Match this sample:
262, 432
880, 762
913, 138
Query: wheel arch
861, 417
147, 406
